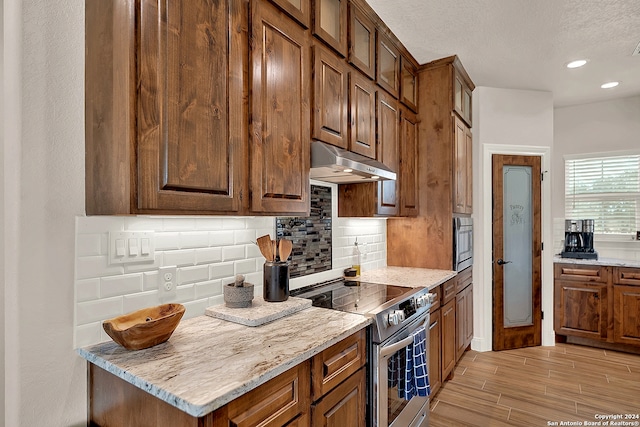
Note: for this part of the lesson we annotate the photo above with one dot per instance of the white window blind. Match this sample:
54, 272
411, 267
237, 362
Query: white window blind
605, 189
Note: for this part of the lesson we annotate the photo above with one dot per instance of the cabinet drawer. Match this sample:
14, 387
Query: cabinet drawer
274, 403
580, 272
437, 291
337, 363
449, 290
465, 277
626, 276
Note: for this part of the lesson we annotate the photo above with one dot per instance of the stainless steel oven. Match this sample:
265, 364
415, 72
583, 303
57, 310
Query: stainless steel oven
462, 243
397, 313
392, 408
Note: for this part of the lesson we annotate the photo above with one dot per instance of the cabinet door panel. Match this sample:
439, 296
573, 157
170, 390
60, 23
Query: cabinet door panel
448, 313
362, 41
388, 134
388, 70
408, 181
581, 309
191, 146
330, 98
330, 23
626, 314
363, 116
435, 334
281, 68
300, 10
460, 167
409, 85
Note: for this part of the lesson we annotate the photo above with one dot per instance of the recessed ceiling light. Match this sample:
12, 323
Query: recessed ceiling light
577, 63
609, 85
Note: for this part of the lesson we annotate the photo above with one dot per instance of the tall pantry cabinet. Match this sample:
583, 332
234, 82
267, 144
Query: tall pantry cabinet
444, 169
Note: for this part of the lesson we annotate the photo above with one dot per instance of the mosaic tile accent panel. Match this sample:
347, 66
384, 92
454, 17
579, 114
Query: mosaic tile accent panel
311, 236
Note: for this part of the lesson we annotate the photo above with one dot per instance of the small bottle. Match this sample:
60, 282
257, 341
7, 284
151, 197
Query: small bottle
356, 257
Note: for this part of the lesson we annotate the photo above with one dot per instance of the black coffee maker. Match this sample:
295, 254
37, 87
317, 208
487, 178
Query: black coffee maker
578, 239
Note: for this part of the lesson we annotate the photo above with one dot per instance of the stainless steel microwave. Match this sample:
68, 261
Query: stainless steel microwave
462, 243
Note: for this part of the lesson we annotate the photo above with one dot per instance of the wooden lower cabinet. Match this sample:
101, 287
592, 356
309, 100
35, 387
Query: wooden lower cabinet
448, 342
626, 314
336, 378
598, 304
464, 320
344, 405
435, 365
581, 309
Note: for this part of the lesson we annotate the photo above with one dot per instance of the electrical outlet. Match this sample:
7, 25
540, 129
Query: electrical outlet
167, 282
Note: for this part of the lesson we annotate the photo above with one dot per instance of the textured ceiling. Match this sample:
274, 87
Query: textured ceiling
525, 44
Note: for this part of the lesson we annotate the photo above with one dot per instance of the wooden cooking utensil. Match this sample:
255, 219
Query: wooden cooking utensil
266, 247
274, 246
284, 247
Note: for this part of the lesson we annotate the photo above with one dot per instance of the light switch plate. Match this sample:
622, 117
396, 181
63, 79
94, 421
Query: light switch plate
132, 241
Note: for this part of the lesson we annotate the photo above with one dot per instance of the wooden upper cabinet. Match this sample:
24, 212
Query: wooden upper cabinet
330, 98
388, 65
175, 143
363, 116
462, 168
362, 41
408, 173
190, 148
409, 85
462, 98
388, 141
300, 10
280, 131
330, 23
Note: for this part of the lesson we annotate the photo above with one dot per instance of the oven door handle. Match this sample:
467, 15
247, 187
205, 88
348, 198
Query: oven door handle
392, 348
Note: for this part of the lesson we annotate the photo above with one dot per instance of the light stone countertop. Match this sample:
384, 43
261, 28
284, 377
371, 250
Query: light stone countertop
208, 362
614, 262
407, 276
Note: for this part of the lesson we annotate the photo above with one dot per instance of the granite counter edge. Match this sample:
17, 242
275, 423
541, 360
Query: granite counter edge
199, 410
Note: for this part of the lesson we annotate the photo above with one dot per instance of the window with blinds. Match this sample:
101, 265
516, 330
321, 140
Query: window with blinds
605, 189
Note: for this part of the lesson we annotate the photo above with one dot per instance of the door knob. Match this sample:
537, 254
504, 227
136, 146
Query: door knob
502, 262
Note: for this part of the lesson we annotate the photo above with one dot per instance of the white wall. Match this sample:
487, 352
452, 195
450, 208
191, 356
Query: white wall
43, 191
507, 121
599, 127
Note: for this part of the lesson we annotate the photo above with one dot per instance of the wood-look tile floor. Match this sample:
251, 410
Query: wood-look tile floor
539, 386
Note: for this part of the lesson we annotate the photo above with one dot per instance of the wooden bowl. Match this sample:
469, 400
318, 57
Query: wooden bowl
144, 328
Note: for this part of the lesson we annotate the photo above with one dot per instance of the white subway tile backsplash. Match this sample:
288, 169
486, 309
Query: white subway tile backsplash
89, 245
179, 223
231, 253
96, 266
221, 238
98, 224
208, 255
150, 280
140, 300
208, 289
120, 285
195, 239
98, 310
180, 258
243, 237
208, 251
167, 241
246, 266
87, 290
193, 274
219, 271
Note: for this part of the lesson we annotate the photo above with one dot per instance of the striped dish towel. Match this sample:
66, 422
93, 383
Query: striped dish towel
416, 375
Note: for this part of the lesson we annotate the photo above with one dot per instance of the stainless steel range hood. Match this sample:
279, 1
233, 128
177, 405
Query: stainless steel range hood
339, 166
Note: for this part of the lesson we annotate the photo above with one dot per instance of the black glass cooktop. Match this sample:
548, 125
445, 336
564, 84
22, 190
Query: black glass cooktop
350, 296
